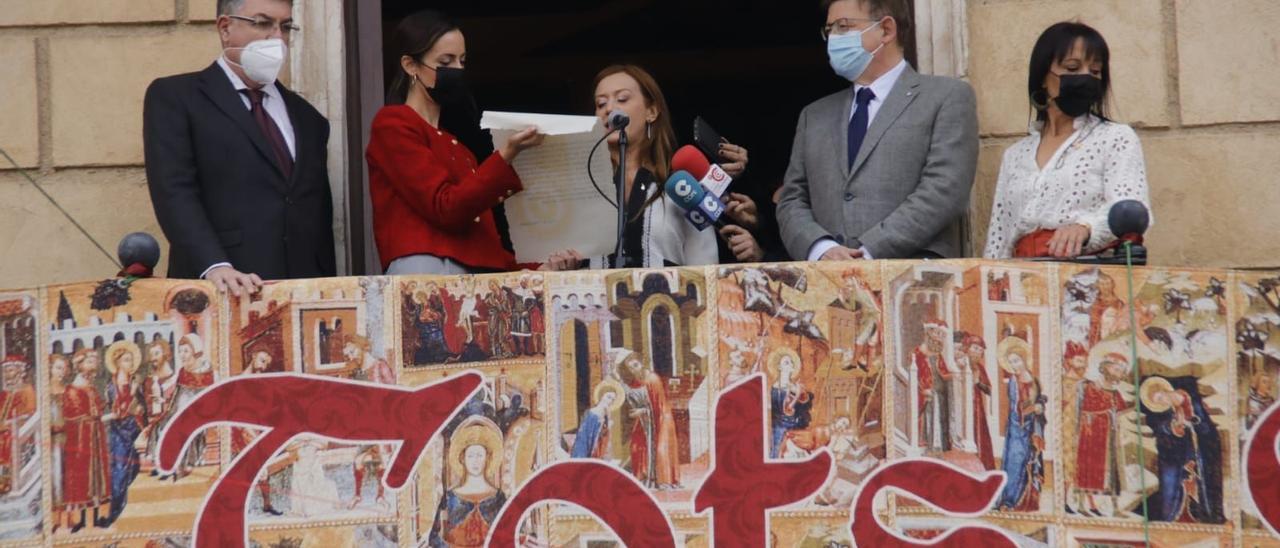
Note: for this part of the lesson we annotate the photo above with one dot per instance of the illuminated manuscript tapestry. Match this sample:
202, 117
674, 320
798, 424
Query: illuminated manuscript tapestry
793, 405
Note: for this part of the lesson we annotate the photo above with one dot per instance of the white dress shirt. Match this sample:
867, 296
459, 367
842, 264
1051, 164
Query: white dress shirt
880, 88
273, 103
1100, 164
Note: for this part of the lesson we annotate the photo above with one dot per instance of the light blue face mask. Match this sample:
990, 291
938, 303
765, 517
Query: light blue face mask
848, 57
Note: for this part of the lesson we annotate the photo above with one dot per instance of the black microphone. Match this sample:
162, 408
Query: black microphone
617, 120
1129, 220
138, 252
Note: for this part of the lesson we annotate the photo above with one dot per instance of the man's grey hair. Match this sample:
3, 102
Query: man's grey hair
228, 7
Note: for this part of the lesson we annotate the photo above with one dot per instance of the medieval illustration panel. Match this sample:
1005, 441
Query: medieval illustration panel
1117, 413
122, 358
923, 526
21, 472
631, 372
370, 535
810, 532
974, 374
1146, 440
815, 332
472, 319
1256, 318
1132, 536
1258, 538
337, 328
490, 448
583, 531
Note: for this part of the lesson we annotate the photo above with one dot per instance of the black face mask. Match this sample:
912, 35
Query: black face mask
1077, 93
451, 87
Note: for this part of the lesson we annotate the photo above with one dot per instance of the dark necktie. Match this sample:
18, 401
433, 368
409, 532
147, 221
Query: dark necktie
271, 131
858, 125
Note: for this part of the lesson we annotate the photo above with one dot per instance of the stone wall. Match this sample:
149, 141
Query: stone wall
71, 117
74, 76
1198, 80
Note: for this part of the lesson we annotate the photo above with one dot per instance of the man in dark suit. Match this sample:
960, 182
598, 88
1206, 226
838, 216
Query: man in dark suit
236, 163
883, 169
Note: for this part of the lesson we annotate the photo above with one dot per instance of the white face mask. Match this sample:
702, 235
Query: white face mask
262, 59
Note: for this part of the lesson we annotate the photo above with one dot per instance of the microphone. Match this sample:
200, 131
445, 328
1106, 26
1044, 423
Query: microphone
138, 252
712, 176
617, 120
701, 208
1128, 220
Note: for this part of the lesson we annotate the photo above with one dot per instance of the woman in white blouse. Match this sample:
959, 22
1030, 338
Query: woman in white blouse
1057, 185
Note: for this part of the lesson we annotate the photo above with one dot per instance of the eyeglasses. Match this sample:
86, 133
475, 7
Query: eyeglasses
265, 25
843, 25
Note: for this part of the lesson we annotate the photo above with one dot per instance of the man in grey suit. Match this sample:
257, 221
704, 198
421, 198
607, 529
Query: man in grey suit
882, 170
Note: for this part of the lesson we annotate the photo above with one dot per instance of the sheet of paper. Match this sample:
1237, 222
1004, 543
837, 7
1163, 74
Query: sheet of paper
550, 124
559, 209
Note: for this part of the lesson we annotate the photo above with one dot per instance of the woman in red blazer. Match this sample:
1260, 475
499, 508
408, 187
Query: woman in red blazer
432, 201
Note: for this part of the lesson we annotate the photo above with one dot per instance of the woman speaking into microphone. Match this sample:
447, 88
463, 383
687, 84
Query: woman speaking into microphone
656, 233
432, 201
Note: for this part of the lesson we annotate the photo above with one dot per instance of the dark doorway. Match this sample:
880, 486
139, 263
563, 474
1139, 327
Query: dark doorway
662, 342
747, 66
582, 357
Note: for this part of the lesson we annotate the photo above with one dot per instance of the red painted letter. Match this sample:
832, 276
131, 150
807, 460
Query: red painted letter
742, 486
946, 487
612, 495
292, 405
1263, 470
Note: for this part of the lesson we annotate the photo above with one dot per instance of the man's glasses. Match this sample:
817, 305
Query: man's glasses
844, 25
265, 25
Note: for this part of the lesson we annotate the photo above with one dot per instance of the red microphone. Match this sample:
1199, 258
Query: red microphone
690, 159
712, 177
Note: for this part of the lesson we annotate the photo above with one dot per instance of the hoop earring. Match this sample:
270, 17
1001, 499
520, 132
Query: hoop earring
1040, 99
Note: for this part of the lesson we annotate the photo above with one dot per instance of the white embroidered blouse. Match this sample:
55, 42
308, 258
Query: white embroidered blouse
1100, 164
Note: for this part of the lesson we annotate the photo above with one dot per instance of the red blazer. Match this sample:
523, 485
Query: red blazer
429, 196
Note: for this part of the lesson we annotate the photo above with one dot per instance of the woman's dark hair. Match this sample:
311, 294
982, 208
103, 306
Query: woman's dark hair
414, 36
1054, 45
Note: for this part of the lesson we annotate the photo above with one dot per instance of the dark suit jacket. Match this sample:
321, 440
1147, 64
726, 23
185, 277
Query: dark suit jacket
218, 191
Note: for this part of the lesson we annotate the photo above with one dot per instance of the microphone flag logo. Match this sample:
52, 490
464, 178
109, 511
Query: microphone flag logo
712, 206
684, 189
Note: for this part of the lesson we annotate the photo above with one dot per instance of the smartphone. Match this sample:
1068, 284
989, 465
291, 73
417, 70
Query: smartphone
707, 140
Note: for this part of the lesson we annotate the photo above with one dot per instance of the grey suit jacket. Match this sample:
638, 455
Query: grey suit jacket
909, 185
